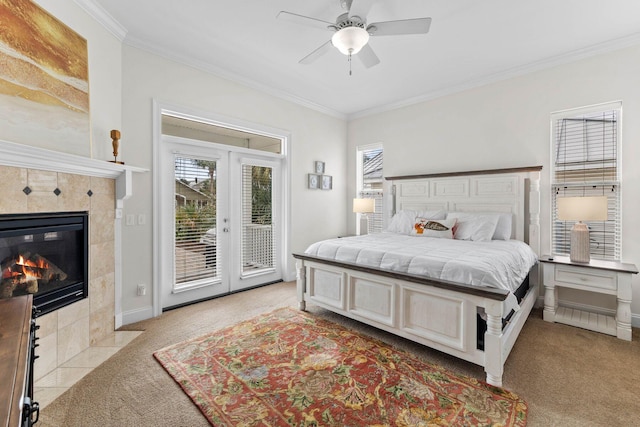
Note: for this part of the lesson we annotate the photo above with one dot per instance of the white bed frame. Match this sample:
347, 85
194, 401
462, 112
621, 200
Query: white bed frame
441, 315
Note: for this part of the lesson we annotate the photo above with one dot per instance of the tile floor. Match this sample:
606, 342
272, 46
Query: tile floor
52, 385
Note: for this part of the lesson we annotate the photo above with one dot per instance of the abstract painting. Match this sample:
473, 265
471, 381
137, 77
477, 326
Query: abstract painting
44, 80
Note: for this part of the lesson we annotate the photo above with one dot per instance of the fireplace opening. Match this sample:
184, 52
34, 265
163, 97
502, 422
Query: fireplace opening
45, 254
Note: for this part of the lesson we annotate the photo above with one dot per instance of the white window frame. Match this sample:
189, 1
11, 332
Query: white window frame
380, 207
160, 108
560, 230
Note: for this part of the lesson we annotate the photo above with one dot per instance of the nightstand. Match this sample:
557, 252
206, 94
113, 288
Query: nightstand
604, 277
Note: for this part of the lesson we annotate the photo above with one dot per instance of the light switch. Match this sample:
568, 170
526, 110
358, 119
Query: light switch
142, 219
130, 219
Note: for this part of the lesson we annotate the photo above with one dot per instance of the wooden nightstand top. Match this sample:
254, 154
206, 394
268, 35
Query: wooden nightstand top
594, 263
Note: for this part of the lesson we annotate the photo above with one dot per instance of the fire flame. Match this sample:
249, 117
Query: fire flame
26, 267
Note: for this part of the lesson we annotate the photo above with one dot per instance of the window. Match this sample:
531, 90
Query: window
369, 183
586, 162
257, 211
201, 130
195, 221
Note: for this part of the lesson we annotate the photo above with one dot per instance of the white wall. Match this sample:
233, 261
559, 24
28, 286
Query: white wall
315, 214
123, 81
507, 124
105, 83
499, 125
105, 78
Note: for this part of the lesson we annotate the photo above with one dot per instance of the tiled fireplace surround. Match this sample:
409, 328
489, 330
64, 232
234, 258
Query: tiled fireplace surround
68, 331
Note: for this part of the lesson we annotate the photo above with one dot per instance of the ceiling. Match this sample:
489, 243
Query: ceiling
470, 42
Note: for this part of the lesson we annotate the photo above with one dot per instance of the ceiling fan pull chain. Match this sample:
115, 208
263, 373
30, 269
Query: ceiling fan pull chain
349, 63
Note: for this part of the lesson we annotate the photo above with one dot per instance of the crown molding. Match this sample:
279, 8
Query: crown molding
114, 27
227, 75
105, 19
544, 64
97, 12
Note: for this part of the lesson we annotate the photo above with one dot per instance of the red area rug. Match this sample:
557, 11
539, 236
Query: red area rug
289, 368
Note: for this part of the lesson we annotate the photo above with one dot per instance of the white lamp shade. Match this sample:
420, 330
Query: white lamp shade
350, 40
582, 208
364, 205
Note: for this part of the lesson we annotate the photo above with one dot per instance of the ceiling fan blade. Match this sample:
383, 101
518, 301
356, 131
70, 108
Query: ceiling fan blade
360, 8
368, 56
316, 53
403, 26
304, 20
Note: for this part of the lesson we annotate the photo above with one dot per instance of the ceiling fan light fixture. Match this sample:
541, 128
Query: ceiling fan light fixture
350, 40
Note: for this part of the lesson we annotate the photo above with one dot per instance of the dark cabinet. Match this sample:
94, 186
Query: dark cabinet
17, 355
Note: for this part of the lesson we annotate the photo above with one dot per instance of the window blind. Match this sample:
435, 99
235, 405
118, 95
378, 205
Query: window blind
258, 245
372, 183
376, 219
586, 163
196, 258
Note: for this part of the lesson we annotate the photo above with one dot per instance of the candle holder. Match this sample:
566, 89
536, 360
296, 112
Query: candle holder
115, 136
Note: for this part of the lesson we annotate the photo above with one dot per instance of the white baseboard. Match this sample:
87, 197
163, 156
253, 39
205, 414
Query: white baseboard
137, 315
289, 277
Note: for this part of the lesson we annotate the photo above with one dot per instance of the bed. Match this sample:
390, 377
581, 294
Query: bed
472, 315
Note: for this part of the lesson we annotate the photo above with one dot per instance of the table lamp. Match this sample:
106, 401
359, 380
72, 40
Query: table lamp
581, 209
364, 207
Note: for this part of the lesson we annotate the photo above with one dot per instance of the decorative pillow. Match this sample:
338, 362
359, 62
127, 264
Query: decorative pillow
402, 222
472, 226
441, 228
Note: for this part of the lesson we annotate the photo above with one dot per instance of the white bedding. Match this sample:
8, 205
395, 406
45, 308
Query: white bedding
500, 264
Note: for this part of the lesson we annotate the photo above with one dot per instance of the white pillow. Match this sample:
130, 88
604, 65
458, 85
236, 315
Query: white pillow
503, 227
441, 228
472, 226
402, 222
432, 214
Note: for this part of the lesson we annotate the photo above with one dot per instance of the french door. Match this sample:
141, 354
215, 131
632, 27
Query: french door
256, 226
219, 221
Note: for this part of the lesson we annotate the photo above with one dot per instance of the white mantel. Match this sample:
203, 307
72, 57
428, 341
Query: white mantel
29, 157
25, 156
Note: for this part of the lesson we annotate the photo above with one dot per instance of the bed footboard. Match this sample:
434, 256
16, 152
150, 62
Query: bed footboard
301, 283
439, 315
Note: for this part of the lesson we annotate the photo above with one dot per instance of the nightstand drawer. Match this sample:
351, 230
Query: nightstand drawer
586, 277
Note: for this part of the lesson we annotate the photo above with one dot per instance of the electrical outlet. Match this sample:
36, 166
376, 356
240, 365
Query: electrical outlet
142, 289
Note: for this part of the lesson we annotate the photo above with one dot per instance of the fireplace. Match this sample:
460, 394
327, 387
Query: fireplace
45, 254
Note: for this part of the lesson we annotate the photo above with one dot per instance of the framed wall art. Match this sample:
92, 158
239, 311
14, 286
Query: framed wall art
44, 82
314, 181
319, 167
327, 182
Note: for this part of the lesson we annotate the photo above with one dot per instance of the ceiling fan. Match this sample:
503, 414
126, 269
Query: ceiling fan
352, 32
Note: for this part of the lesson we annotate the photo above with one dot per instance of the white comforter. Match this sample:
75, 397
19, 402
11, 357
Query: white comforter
497, 263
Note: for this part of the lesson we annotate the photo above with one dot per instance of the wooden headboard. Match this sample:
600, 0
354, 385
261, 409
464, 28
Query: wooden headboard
515, 190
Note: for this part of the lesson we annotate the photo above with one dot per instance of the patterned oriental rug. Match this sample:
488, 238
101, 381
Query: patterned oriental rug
289, 368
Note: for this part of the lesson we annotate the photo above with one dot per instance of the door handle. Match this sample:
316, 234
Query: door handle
225, 230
